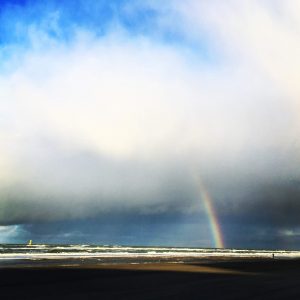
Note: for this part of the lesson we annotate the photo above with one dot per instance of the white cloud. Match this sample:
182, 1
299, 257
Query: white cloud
136, 100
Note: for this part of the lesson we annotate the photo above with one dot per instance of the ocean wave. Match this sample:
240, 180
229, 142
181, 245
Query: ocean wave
44, 251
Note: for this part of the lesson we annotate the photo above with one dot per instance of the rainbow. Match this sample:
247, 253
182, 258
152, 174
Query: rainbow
212, 216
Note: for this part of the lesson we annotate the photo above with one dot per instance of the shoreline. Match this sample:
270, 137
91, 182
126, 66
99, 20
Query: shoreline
82, 261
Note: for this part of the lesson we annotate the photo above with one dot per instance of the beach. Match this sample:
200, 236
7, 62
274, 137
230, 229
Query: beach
215, 279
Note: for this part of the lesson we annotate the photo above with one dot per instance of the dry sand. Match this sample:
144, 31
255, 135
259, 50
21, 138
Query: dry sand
73, 279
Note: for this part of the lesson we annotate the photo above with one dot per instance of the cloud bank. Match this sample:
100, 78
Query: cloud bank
109, 116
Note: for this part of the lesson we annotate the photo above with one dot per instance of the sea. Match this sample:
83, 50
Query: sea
116, 254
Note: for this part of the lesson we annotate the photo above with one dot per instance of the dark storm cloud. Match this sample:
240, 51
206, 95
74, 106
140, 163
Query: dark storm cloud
275, 204
160, 229
70, 185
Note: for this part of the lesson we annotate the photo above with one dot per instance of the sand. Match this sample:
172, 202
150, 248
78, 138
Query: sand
74, 279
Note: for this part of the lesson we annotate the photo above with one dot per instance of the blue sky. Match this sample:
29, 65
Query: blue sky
61, 21
66, 16
112, 112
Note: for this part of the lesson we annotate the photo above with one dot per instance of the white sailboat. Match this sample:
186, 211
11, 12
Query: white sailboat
29, 243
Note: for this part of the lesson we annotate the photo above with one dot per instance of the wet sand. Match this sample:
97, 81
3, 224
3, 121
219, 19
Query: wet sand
73, 279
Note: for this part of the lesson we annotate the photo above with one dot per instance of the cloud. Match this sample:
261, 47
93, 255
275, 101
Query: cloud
9, 233
126, 120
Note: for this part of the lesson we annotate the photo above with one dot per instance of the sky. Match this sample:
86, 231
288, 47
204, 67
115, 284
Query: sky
150, 122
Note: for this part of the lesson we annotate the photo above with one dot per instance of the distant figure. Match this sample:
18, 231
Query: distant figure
273, 256
29, 243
